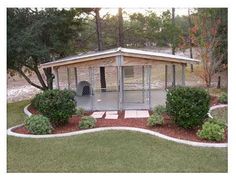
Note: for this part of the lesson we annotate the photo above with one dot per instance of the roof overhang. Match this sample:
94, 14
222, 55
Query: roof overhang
119, 51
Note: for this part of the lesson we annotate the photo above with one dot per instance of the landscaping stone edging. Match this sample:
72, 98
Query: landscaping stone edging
192, 143
26, 111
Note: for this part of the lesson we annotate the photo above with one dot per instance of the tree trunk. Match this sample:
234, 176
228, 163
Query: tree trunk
49, 76
173, 45
173, 38
30, 82
219, 82
120, 42
190, 39
40, 78
98, 29
100, 47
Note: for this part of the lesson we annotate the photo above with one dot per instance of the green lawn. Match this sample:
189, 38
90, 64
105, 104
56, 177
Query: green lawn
110, 151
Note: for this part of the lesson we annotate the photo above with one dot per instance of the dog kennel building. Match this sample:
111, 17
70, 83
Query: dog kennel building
134, 79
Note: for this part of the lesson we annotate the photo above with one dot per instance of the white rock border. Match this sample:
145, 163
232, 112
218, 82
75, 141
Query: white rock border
26, 111
141, 130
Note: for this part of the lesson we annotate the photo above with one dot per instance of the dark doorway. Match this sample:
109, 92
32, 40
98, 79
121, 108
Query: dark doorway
86, 90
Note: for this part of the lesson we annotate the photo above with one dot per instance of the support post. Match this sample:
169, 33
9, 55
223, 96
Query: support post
68, 77
166, 75
173, 73
76, 77
91, 86
183, 74
120, 78
143, 83
118, 87
149, 85
119, 63
55, 71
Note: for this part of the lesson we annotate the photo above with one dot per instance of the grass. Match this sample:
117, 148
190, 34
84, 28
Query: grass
110, 151
15, 114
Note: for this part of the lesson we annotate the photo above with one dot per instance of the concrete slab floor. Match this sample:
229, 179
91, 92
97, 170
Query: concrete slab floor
136, 114
108, 101
97, 114
111, 116
130, 114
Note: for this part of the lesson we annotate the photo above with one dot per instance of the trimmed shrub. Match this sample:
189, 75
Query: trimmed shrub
211, 131
35, 101
155, 119
159, 109
80, 111
187, 106
223, 98
218, 121
87, 122
57, 105
38, 124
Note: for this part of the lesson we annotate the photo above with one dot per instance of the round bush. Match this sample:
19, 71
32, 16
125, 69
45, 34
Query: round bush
223, 98
159, 109
38, 124
155, 119
222, 123
187, 106
57, 105
211, 131
80, 111
87, 122
35, 101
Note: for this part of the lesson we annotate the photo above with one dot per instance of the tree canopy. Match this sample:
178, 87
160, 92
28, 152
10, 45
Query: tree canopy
36, 36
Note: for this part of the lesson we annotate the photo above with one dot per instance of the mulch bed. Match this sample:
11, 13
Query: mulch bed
168, 128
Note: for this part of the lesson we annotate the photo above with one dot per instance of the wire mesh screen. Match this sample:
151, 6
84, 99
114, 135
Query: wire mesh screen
105, 98
133, 84
136, 87
72, 79
83, 87
178, 73
129, 87
62, 78
158, 77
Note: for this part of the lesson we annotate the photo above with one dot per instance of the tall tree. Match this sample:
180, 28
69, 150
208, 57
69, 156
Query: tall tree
173, 44
97, 17
98, 28
190, 40
204, 36
120, 42
173, 37
35, 37
100, 47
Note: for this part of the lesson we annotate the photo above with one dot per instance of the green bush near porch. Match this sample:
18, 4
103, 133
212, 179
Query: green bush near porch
211, 131
57, 105
38, 125
187, 106
155, 119
87, 122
